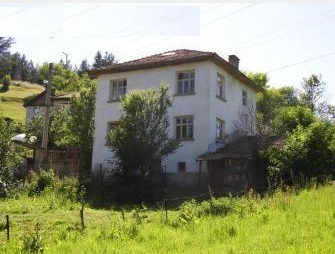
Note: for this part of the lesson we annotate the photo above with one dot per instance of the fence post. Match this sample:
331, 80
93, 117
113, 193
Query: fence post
210, 191
165, 205
82, 217
122, 212
7, 226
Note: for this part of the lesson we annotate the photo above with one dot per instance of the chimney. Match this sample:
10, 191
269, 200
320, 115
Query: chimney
234, 61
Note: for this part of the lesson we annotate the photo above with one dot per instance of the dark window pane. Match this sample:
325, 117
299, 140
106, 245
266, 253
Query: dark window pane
192, 86
184, 131
186, 89
190, 131
180, 87
178, 130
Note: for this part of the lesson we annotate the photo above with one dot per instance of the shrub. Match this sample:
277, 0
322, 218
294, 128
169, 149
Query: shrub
6, 82
33, 243
38, 182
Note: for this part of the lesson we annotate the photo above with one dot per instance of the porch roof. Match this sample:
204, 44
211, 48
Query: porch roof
243, 148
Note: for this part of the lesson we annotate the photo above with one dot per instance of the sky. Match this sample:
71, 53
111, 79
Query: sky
289, 41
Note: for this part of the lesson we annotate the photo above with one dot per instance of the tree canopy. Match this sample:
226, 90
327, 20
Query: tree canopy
140, 140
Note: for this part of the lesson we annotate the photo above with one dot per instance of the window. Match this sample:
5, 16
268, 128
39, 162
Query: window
220, 129
110, 126
184, 127
181, 167
117, 89
185, 82
36, 110
220, 89
244, 97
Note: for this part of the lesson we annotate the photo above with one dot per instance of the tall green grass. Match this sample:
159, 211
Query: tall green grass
285, 222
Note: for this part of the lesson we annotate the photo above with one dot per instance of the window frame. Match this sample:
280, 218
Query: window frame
181, 125
120, 86
189, 79
220, 93
220, 127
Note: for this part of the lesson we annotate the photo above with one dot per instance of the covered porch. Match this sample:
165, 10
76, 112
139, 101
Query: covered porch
234, 166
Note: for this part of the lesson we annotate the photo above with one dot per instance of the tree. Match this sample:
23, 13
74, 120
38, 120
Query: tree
289, 118
140, 140
63, 79
81, 123
307, 153
9, 155
103, 61
84, 67
313, 90
259, 78
5, 44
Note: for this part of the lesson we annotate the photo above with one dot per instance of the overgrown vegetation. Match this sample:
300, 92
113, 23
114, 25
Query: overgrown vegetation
304, 122
284, 222
140, 140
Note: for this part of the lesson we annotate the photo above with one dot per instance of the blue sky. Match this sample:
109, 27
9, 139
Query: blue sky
281, 39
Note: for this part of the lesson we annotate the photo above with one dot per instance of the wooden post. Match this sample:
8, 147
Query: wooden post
123, 217
199, 180
46, 115
165, 205
82, 217
7, 226
210, 191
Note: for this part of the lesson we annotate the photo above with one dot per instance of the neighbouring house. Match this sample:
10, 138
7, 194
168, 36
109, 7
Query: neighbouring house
37, 104
213, 105
63, 161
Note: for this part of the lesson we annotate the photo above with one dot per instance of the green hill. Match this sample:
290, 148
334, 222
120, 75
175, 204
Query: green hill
11, 101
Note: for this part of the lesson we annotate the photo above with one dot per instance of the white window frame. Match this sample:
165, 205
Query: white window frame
184, 127
220, 86
220, 129
185, 85
117, 89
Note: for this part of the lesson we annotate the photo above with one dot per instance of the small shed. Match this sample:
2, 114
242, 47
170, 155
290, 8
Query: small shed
235, 165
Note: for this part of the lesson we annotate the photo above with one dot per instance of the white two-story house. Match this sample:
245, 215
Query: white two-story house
209, 94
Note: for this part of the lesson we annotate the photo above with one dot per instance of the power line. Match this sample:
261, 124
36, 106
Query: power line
210, 22
229, 14
301, 62
278, 33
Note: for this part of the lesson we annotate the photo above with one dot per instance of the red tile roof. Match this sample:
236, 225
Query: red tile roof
174, 57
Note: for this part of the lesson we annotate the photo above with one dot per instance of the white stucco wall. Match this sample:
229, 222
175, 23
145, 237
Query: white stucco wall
203, 105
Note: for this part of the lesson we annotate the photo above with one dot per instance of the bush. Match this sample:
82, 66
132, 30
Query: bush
33, 243
38, 182
6, 82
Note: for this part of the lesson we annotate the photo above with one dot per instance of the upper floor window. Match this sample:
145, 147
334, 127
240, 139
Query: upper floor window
220, 87
244, 97
184, 127
117, 89
185, 82
220, 129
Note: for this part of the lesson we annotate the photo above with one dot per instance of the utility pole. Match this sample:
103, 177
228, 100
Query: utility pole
46, 115
66, 63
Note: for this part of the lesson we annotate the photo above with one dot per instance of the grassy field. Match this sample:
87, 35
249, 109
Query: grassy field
11, 101
287, 222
